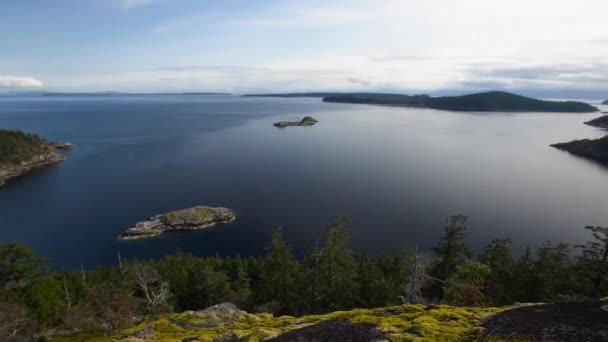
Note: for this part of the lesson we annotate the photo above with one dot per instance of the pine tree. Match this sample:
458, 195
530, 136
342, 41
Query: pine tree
499, 282
279, 272
450, 251
593, 260
337, 269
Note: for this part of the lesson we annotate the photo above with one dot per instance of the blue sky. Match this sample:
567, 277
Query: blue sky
283, 45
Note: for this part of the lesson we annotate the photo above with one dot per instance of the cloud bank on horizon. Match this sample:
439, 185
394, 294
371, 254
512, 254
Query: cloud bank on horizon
288, 45
17, 82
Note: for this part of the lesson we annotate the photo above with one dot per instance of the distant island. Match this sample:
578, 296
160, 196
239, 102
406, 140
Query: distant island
601, 122
493, 101
117, 93
306, 121
313, 94
593, 149
22, 152
194, 218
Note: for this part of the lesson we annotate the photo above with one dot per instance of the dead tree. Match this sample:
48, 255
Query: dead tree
148, 281
418, 278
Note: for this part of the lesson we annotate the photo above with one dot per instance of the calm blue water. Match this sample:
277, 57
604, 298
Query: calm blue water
396, 173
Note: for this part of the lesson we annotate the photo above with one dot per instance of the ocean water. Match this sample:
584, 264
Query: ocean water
394, 173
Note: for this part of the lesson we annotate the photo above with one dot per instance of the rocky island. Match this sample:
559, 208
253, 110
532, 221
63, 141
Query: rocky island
601, 122
21, 152
593, 149
306, 121
194, 218
605, 102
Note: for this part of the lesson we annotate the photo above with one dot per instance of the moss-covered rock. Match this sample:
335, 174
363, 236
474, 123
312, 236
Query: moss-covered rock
418, 323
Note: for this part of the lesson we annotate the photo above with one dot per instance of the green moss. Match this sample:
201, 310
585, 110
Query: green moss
200, 214
410, 323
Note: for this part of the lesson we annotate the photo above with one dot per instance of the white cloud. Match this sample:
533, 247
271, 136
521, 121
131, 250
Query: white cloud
17, 82
365, 45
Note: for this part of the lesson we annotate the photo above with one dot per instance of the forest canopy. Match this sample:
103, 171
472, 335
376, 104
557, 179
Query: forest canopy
17, 146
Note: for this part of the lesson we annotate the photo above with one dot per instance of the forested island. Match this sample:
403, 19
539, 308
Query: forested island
596, 149
22, 152
493, 101
312, 94
447, 293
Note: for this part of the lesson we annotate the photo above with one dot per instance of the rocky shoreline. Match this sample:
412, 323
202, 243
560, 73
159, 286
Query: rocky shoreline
306, 121
10, 171
195, 218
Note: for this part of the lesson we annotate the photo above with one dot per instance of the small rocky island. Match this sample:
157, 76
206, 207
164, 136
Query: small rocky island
601, 122
593, 149
62, 145
194, 218
22, 152
306, 121
605, 102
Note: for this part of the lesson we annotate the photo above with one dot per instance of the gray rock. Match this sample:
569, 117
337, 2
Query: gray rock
306, 121
194, 218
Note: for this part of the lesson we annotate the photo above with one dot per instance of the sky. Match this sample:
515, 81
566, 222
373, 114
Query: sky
542, 46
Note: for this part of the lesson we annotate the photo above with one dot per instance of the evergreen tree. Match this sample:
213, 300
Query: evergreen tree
277, 284
552, 272
19, 266
337, 268
465, 285
240, 282
450, 251
593, 261
375, 289
499, 282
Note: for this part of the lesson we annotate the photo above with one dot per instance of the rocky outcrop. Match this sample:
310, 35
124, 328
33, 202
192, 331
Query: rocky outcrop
306, 121
605, 102
601, 122
194, 218
227, 323
9, 171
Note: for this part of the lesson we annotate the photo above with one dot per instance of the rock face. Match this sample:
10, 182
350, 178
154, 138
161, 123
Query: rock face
601, 122
575, 321
15, 170
194, 218
306, 121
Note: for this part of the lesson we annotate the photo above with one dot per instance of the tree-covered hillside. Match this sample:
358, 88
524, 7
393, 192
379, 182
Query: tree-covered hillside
503, 101
498, 101
16, 147
380, 98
